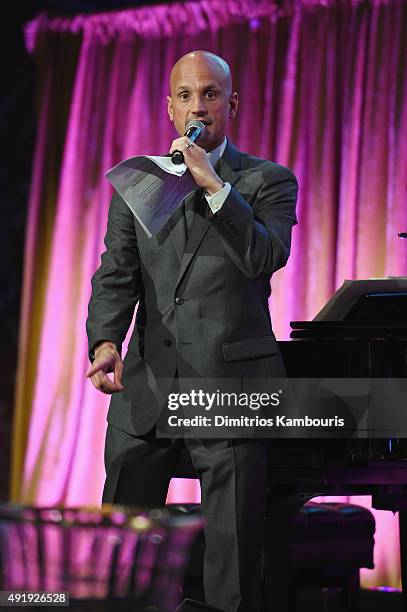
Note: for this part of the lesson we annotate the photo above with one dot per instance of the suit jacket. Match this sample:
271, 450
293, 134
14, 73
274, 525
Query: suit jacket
202, 301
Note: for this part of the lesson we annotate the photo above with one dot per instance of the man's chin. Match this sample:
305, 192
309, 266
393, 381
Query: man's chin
209, 144
204, 144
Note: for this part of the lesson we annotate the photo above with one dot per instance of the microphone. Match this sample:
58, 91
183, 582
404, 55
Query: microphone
193, 130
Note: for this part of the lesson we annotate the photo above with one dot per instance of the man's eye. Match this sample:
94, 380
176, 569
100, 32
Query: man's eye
184, 96
210, 95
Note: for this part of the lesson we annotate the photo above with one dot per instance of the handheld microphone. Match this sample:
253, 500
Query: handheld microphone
193, 130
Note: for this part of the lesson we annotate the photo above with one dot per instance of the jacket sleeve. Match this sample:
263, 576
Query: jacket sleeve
116, 285
257, 237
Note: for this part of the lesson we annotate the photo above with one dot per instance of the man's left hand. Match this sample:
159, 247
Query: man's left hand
198, 164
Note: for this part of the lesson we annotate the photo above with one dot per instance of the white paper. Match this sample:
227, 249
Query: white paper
152, 187
166, 164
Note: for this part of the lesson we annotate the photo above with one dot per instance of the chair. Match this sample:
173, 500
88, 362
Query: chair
114, 558
330, 543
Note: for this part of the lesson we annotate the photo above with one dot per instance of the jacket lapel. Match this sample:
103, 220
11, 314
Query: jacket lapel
195, 212
229, 164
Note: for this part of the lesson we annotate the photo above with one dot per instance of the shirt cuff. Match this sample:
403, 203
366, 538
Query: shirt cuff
216, 200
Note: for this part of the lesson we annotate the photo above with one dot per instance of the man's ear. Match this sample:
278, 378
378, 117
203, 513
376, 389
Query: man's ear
169, 108
233, 104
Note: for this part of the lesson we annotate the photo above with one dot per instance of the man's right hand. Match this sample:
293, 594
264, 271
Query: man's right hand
107, 359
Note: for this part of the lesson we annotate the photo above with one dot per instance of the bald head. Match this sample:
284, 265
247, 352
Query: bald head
203, 61
201, 89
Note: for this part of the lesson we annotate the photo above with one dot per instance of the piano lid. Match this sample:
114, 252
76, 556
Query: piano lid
369, 308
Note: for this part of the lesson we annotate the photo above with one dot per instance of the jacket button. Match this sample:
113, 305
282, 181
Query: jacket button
167, 342
179, 301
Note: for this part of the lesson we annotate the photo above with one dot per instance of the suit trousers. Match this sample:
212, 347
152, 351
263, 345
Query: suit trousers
232, 475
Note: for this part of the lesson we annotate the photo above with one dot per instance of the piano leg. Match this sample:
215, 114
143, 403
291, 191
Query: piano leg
403, 556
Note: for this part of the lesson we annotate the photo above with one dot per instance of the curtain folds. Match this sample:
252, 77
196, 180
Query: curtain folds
323, 90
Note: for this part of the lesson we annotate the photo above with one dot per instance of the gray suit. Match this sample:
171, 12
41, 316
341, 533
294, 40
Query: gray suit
202, 286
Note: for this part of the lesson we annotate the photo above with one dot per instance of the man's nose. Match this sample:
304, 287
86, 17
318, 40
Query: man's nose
198, 106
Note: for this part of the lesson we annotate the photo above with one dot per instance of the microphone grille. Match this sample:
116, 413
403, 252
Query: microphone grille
195, 124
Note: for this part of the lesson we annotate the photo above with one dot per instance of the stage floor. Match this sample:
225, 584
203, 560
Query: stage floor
371, 601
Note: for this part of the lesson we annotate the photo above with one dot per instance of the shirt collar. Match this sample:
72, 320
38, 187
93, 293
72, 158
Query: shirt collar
216, 154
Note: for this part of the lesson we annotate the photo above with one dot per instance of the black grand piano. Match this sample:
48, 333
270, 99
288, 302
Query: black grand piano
361, 333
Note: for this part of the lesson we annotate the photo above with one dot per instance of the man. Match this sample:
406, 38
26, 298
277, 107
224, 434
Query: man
202, 286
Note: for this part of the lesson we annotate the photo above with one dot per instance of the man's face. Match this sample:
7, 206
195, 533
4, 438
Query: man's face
200, 90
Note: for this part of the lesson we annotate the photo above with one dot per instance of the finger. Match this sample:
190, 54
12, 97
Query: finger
100, 365
98, 380
96, 367
103, 383
179, 144
109, 386
118, 371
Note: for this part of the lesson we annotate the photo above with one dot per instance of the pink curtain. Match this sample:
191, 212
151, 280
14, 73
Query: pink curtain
323, 90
